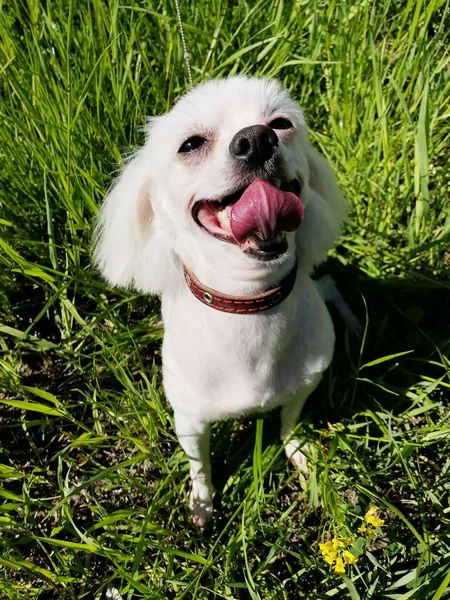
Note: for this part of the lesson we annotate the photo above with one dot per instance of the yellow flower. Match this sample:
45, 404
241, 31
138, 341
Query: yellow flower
328, 551
333, 554
339, 567
349, 558
372, 517
373, 520
330, 557
362, 529
326, 547
370, 534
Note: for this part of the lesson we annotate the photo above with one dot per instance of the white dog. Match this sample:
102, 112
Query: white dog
225, 211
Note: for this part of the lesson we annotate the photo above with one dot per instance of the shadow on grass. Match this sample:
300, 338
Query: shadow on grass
403, 316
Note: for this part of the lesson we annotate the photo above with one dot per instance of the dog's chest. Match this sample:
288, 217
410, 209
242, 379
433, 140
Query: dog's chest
218, 365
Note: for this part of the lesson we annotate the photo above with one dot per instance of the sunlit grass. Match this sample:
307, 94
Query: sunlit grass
93, 483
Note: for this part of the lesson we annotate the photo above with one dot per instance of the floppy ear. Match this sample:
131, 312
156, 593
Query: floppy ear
133, 244
325, 212
124, 224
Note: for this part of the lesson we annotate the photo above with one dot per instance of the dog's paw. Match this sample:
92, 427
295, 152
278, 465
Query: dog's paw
295, 452
201, 504
201, 511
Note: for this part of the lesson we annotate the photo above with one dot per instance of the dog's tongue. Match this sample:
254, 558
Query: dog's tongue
264, 210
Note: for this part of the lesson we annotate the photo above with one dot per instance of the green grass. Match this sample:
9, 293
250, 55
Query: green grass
93, 483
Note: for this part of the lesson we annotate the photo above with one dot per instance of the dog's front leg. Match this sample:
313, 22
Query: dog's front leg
194, 437
290, 413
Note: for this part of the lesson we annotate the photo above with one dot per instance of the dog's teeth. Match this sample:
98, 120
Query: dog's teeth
256, 242
224, 218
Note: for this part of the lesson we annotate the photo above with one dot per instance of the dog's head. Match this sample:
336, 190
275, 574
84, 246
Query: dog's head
228, 175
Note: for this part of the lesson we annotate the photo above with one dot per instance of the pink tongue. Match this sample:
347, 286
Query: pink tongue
264, 210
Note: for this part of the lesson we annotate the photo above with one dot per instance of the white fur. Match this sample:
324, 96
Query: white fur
215, 364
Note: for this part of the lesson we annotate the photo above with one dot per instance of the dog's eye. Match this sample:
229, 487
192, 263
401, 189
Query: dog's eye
192, 143
280, 123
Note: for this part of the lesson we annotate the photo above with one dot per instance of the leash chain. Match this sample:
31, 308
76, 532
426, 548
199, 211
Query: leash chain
183, 43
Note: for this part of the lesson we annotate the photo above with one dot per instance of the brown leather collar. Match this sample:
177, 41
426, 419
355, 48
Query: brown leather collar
241, 304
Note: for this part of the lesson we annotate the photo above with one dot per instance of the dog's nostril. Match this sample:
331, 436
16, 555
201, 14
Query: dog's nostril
272, 137
242, 147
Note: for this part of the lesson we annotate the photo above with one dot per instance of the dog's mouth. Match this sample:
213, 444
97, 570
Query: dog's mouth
256, 217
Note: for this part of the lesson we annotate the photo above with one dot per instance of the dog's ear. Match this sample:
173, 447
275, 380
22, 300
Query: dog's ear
325, 212
133, 242
323, 182
124, 224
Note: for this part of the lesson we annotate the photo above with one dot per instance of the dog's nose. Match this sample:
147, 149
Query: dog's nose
254, 144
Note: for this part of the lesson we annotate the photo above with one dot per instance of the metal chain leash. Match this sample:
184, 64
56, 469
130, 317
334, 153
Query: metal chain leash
183, 43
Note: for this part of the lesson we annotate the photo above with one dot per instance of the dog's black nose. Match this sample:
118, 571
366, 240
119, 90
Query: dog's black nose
254, 144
